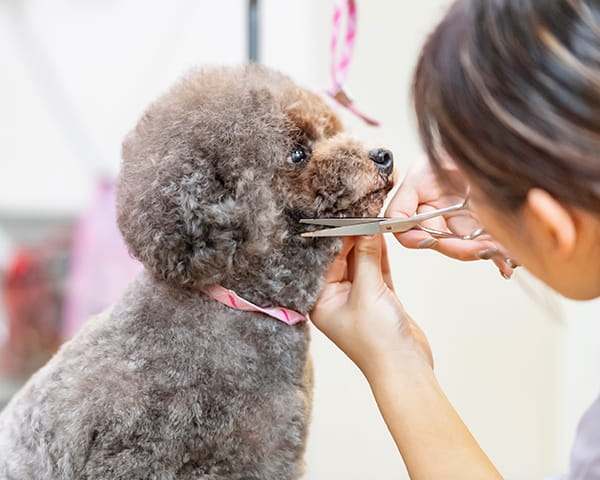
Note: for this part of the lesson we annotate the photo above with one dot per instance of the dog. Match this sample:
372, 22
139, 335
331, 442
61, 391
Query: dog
170, 383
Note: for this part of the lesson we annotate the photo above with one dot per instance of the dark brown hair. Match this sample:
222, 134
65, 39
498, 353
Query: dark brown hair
510, 91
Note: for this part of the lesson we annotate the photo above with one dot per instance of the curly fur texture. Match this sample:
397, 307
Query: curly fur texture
170, 383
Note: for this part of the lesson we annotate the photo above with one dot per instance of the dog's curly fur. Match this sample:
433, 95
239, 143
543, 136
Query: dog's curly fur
169, 383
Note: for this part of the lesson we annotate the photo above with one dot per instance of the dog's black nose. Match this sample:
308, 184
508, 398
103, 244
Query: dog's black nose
384, 159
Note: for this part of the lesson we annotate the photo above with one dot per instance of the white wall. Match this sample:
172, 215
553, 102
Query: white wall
76, 76
506, 358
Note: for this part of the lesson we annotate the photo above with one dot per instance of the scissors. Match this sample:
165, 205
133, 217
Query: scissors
348, 227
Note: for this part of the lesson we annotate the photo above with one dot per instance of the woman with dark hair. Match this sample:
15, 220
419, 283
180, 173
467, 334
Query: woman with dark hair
507, 97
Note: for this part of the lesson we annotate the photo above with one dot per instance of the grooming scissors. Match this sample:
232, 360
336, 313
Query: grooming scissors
348, 227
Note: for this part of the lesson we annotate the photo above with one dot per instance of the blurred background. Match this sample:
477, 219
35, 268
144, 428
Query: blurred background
519, 364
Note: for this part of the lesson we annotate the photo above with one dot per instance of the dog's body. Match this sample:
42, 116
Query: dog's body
167, 384
170, 383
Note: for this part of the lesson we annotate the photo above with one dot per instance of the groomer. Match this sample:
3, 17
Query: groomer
507, 97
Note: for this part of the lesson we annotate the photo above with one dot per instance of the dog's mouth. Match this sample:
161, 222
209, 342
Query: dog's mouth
368, 205
372, 197
363, 205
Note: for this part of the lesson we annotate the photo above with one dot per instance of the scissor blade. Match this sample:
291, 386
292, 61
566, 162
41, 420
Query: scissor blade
340, 222
371, 228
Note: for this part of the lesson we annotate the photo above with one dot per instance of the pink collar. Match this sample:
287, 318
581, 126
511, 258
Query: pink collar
231, 299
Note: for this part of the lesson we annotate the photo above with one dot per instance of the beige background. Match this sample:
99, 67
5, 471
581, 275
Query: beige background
519, 364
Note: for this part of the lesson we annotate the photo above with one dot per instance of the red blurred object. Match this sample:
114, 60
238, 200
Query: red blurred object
52, 288
32, 300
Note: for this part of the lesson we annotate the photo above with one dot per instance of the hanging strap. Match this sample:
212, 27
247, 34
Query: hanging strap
339, 66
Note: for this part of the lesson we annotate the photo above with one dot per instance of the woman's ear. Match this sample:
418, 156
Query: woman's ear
553, 224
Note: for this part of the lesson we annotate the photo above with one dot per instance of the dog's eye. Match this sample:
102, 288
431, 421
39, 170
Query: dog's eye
298, 155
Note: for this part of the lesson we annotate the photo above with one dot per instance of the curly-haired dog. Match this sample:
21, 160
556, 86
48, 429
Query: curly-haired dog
170, 383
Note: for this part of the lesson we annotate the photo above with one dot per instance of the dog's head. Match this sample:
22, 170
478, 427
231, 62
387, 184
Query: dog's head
218, 172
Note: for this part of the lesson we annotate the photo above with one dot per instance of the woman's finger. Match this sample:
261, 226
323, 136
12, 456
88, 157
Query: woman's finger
505, 264
338, 271
415, 239
435, 223
336, 289
405, 202
350, 263
505, 269
465, 250
463, 223
367, 263
385, 266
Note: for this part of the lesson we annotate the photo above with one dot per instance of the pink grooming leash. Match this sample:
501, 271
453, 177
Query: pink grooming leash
233, 300
339, 70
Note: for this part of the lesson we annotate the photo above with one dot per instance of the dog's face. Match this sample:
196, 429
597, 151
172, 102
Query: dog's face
218, 172
326, 172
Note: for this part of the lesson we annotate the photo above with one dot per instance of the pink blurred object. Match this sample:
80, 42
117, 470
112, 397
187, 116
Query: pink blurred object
100, 267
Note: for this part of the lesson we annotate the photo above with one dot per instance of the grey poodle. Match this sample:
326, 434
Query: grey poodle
170, 383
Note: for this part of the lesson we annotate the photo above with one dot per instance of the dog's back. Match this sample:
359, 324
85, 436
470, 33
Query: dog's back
167, 384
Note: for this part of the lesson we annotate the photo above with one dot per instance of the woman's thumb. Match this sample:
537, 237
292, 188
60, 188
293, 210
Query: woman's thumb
367, 262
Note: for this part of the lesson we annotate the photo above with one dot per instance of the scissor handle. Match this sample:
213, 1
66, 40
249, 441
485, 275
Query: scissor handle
400, 225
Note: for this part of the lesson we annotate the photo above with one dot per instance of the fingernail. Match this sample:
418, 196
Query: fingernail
511, 263
504, 276
488, 253
427, 243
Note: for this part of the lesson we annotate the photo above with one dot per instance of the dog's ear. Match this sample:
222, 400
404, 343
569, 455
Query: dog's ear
169, 227
187, 225
196, 203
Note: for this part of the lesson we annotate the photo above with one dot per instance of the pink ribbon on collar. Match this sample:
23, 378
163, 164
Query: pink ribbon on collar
339, 70
233, 300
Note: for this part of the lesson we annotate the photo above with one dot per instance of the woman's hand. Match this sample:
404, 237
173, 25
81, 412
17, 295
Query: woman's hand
359, 311
420, 192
